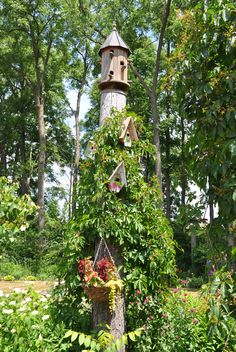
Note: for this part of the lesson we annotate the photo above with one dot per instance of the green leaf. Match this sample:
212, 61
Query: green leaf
131, 335
74, 336
68, 333
81, 339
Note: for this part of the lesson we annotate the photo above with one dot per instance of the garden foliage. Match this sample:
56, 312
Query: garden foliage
132, 219
26, 323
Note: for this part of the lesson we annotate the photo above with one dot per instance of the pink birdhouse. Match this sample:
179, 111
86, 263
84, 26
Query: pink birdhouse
118, 179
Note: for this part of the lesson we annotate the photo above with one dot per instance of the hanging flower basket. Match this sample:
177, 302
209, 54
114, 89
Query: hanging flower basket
100, 281
97, 294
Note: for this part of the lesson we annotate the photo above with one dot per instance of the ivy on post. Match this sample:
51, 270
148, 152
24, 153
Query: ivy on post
116, 204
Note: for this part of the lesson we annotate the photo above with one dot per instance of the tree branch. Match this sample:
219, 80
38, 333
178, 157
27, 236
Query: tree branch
160, 44
142, 81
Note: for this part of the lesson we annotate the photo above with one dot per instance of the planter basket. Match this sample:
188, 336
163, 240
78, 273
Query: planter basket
97, 294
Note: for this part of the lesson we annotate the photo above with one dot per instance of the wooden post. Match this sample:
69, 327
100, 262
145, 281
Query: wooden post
113, 85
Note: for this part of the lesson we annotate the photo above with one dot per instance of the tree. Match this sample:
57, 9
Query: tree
38, 38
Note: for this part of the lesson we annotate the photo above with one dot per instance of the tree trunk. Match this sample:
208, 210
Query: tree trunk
193, 246
77, 150
3, 160
167, 174
156, 140
24, 177
41, 162
210, 200
101, 312
183, 168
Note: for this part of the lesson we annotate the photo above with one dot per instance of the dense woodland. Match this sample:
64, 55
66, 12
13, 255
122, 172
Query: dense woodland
182, 95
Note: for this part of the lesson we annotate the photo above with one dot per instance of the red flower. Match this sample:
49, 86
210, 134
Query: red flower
138, 292
164, 315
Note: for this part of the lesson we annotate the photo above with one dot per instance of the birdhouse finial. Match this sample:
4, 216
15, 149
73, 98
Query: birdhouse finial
114, 25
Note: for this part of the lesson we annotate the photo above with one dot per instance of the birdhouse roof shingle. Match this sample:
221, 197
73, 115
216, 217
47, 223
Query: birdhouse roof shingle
114, 39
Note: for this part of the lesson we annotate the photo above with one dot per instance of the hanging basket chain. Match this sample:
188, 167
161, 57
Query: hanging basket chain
102, 240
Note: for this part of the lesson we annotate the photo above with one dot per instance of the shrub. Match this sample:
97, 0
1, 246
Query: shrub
27, 325
17, 270
9, 278
175, 322
31, 278
221, 310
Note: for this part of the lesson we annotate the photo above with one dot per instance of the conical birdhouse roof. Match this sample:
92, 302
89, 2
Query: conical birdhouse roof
114, 39
128, 125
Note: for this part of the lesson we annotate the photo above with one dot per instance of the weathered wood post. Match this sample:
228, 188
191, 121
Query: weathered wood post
113, 86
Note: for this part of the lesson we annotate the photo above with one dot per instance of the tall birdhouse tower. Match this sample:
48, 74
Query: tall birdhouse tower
114, 77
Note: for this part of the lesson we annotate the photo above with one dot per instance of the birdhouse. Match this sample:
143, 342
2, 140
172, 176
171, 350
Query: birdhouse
128, 134
90, 149
114, 53
118, 179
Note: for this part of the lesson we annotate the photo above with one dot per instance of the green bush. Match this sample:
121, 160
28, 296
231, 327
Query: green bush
11, 268
27, 324
9, 278
30, 278
221, 311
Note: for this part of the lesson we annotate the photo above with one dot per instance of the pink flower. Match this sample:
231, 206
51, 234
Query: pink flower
138, 292
183, 282
185, 294
164, 315
193, 310
195, 321
184, 300
175, 290
150, 318
147, 300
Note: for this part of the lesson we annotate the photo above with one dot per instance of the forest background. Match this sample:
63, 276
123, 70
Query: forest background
182, 69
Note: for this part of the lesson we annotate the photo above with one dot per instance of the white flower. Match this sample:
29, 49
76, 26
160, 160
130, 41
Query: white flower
7, 295
43, 299
2, 303
13, 331
46, 306
1, 293
23, 227
7, 311
12, 303
40, 337
45, 317
21, 309
34, 312
17, 290
35, 327
28, 299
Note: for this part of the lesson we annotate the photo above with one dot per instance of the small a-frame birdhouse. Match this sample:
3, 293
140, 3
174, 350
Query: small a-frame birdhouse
90, 149
118, 179
128, 134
